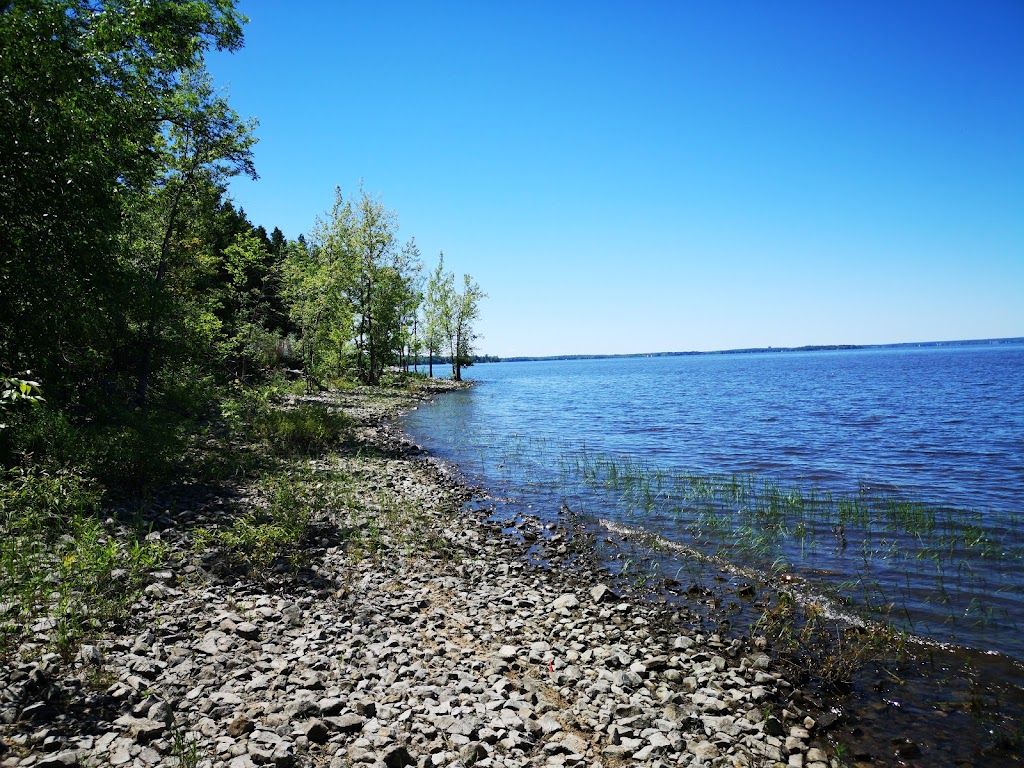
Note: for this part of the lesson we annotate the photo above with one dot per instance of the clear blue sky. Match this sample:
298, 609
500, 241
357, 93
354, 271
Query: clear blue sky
663, 176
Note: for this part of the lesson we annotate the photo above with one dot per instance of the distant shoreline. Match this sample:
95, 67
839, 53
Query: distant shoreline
754, 350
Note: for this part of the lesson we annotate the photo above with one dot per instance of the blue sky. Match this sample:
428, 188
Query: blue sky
663, 176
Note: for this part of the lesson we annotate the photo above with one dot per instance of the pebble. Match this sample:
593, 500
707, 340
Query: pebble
465, 652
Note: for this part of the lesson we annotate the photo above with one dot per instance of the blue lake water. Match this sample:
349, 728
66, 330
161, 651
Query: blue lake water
942, 427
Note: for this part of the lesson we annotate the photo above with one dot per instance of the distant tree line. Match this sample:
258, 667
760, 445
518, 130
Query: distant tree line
127, 275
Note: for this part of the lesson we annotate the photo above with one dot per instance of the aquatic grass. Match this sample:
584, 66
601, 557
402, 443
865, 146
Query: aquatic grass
909, 561
935, 550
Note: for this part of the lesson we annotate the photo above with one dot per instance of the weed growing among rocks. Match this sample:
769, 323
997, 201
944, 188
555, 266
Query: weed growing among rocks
64, 571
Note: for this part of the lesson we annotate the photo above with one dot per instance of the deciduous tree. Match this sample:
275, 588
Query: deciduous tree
316, 279
436, 308
204, 140
84, 87
463, 312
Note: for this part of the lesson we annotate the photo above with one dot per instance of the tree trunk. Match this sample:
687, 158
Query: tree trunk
146, 362
456, 367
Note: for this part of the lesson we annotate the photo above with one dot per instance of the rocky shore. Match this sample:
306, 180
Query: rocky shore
416, 633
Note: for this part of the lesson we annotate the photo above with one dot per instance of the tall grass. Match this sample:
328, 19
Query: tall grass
269, 534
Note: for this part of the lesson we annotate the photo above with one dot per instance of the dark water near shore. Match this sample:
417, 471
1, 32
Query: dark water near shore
940, 428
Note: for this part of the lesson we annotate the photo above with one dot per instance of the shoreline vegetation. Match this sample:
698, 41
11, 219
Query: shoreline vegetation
217, 549
323, 595
314, 589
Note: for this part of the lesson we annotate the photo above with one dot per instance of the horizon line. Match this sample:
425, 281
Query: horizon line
752, 350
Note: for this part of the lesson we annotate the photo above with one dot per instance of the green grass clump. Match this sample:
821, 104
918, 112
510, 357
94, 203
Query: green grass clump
294, 430
61, 566
814, 646
303, 429
259, 539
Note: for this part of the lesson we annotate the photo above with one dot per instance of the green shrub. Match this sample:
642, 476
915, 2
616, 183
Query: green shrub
125, 449
342, 384
142, 452
60, 562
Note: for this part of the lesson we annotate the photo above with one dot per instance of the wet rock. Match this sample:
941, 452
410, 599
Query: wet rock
906, 749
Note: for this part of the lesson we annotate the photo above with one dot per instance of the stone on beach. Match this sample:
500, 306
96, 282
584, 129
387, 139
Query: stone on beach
463, 652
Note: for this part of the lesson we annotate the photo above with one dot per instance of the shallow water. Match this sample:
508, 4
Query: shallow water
942, 428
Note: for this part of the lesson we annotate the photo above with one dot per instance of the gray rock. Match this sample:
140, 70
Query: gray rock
703, 750
466, 726
331, 706
247, 630
508, 652
565, 601
683, 643
284, 755
659, 741
350, 723
160, 712
398, 757
574, 744
602, 594
260, 752
240, 726
90, 655
67, 758
316, 731
473, 752
549, 725
628, 680
144, 730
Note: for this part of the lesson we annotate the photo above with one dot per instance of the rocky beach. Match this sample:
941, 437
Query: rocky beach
413, 631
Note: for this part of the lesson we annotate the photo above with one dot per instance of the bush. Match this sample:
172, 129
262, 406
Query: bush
60, 562
127, 449
303, 429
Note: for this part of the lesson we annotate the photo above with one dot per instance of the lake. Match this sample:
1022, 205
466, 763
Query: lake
891, 479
